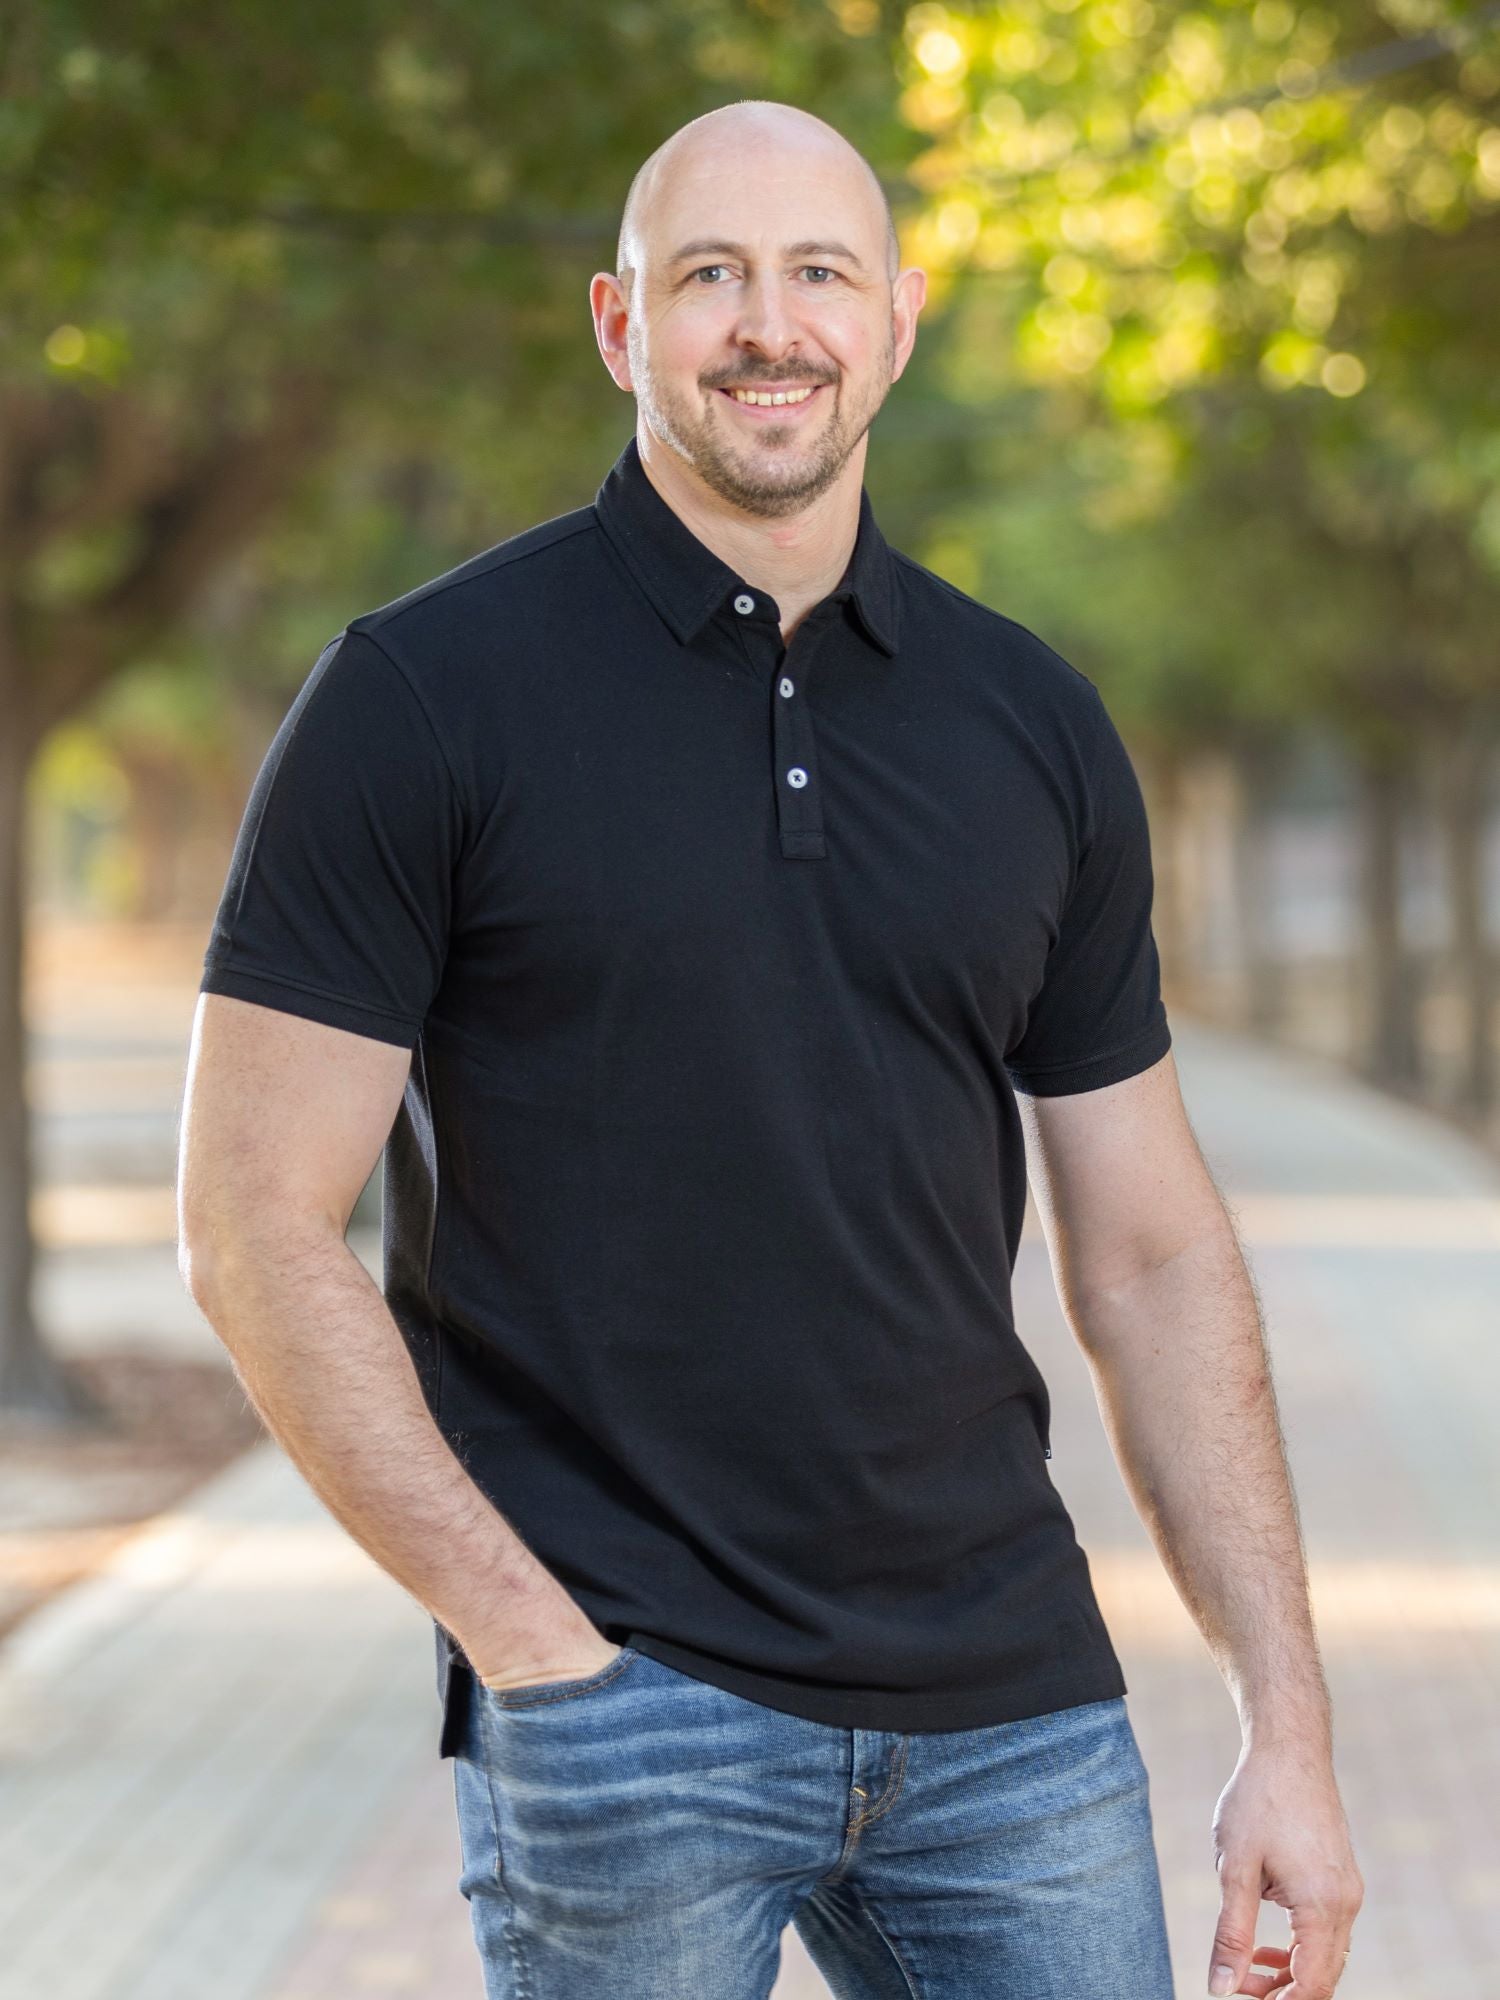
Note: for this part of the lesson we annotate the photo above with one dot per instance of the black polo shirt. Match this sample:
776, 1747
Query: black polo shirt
721, 962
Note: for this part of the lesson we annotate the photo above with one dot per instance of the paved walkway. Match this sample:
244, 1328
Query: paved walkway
218, 1769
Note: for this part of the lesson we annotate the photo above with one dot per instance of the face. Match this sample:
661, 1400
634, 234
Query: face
785, 292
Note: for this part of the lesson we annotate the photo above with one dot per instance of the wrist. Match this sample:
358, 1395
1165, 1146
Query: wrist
1309, 1739
1290, 1719
527, 1639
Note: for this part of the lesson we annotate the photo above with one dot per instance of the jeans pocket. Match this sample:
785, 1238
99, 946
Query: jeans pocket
545, 1691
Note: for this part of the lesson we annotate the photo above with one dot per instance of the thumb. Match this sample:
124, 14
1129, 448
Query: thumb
1234, 1940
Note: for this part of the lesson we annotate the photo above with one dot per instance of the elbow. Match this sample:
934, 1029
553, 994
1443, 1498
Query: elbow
1127, 1290
196, 1262
211, 1228
224, 1250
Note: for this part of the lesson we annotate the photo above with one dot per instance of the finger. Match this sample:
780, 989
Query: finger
1234, 1938
1259, 1984
1317, 1966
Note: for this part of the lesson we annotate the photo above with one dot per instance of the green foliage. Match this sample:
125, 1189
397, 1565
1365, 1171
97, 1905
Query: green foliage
1247, 257
1211, 320
198, 201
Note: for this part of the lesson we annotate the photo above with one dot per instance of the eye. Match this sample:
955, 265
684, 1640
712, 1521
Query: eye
824, 268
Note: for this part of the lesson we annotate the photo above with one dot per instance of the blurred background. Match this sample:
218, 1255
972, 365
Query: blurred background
294, 316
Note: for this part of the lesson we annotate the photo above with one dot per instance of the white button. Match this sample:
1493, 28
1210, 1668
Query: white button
786, 686
742, 603
796, 776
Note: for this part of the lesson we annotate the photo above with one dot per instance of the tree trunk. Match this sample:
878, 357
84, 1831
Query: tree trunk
1260, 982
1206, 885
1462, 790
188, 512
32, 1381
154, 827
1161, 783
1386, 1035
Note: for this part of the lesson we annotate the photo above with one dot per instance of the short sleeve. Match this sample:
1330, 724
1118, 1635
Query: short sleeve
340, 887
1098, 1016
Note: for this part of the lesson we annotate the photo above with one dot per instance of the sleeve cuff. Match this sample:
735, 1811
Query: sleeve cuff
357, 1017
1064, 1079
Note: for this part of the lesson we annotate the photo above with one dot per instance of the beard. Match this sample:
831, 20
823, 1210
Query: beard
770, 476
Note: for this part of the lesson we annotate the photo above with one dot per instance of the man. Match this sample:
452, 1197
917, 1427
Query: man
723, 908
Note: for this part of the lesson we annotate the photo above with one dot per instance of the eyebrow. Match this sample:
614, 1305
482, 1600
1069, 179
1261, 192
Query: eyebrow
707, 246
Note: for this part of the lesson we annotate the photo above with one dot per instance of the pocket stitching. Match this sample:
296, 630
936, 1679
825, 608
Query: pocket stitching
527, 1697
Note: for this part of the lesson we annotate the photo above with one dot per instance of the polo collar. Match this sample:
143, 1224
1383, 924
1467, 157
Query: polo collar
688, 583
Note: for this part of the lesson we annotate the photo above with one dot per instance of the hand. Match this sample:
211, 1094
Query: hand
1280, 1834
571, 1663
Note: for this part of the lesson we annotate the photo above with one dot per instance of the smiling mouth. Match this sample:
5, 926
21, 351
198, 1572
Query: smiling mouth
765, 410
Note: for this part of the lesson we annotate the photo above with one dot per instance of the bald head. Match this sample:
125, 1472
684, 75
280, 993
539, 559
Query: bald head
758, 313
738, 138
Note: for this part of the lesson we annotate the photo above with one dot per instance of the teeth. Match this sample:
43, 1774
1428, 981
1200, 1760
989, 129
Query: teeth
765, 397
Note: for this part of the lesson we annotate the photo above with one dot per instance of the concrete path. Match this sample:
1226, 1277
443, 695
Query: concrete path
218, 1770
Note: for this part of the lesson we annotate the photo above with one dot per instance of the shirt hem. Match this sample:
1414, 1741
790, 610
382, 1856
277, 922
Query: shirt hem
1099, 1678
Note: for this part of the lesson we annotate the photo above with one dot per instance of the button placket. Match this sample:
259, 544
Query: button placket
799, 804
794, 761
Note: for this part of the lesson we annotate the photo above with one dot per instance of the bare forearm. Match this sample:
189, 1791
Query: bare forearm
320, 1356
1185, 1389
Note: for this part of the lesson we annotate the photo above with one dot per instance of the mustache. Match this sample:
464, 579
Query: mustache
769, 382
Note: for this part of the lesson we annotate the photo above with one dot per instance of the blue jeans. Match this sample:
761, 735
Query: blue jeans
642, 1835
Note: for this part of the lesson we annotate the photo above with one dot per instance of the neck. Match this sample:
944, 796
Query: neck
795, 558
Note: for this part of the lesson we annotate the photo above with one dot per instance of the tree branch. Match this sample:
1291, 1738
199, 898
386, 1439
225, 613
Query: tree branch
193, 525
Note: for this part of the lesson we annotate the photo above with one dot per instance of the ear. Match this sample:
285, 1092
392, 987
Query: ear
609, 302
908, 296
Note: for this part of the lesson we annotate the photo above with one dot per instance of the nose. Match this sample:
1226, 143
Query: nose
767, 320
